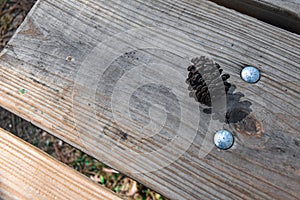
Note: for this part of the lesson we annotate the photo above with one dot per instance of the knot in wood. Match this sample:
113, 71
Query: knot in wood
249, 126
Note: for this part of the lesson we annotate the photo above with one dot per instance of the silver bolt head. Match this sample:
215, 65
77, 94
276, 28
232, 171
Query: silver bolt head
250, 74
223, 139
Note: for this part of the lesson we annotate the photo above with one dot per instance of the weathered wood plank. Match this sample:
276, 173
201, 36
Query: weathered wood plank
290, 6
281, 13
28, 173
82, 62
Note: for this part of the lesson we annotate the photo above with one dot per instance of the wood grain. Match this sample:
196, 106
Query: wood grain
62, 97
28, 173
282, 13
293, 6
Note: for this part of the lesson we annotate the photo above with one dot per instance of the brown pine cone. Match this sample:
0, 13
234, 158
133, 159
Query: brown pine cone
203, 73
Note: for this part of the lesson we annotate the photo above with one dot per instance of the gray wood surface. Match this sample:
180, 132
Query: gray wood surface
109, 78
293, 6
282, 13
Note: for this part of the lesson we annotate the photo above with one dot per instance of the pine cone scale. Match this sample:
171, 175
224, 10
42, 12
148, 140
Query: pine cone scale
203, 75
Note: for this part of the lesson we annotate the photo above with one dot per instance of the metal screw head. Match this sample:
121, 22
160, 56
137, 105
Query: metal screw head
223, 139
250, 74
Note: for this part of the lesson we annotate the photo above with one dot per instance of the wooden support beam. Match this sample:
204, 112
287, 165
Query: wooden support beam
28, 173
109, 78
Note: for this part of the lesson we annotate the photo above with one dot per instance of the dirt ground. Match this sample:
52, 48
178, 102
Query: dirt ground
12, 13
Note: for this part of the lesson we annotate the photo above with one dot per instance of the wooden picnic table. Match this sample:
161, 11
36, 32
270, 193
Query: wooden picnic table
108, 77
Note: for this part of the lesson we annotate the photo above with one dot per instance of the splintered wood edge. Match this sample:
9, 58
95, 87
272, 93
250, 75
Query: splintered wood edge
28, 173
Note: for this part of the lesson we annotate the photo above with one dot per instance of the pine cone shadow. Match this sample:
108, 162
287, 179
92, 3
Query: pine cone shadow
236, 109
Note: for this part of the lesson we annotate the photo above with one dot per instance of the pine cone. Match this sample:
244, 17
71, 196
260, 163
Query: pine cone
202, 74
